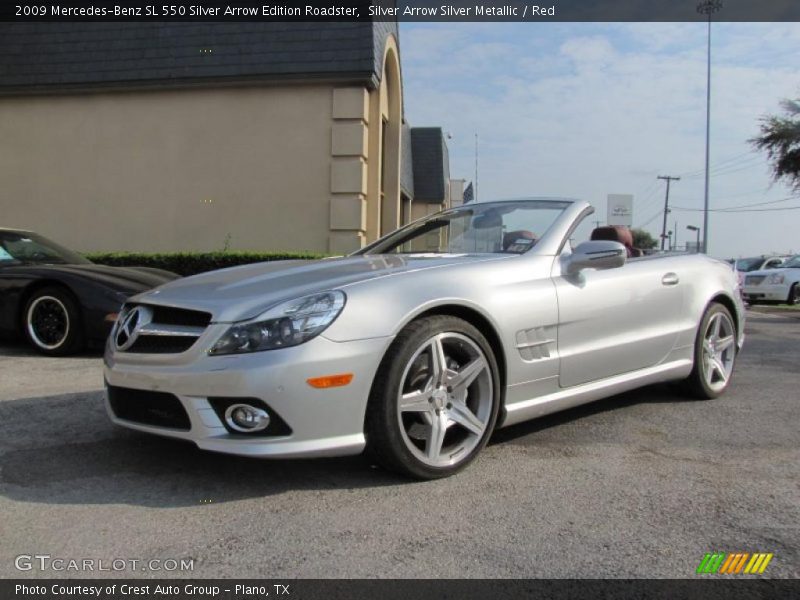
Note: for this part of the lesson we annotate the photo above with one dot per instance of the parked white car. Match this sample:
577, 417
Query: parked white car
774, 285
759, 263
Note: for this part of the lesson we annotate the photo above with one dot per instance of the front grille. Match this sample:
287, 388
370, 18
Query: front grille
167, 315
148, 408
166, 330
161, 344
754, 279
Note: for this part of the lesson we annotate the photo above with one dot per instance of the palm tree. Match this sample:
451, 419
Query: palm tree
780, 137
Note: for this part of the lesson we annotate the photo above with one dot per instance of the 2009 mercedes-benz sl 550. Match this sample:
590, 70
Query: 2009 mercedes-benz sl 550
418, 346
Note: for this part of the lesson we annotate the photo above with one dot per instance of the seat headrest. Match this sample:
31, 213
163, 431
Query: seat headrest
522, 235
614, 233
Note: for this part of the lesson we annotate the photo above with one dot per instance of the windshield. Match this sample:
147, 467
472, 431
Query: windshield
30, 248
792, 263
748, 264
511, 227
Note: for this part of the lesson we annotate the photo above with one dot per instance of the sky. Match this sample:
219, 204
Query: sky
583, 110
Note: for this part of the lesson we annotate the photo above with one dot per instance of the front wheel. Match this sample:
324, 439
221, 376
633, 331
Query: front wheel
435, 399
714, 353
51, 322
794, 295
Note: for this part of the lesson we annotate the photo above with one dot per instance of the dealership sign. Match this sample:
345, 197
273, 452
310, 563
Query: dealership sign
620, 209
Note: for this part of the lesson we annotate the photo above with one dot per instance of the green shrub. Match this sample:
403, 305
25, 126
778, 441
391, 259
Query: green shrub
190, 263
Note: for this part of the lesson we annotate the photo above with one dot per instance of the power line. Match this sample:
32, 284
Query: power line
650, 220
721, 164
746, 210
758, 203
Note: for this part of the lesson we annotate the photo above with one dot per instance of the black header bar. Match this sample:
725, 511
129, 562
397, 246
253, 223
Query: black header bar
402, 10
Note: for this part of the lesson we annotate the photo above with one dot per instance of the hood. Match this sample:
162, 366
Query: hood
121, 279
241, 293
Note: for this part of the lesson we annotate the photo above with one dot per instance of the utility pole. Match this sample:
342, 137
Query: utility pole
668, 179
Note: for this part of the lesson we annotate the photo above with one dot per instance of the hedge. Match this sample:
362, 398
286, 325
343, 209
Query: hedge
190, 263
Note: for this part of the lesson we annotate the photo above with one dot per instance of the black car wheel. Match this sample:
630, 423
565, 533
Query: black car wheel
51, 322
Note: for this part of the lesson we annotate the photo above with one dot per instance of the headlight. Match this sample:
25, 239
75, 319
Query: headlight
287, 324
775, 278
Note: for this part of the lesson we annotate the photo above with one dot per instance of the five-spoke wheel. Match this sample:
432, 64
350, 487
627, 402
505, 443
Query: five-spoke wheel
435, 399
715, 353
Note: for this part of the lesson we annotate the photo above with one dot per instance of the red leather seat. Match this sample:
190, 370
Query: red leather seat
511, 237
617, 233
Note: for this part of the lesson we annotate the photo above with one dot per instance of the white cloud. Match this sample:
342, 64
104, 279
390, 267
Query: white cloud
587, 110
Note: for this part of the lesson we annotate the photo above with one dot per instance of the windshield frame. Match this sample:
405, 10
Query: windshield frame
401, 235
67, 256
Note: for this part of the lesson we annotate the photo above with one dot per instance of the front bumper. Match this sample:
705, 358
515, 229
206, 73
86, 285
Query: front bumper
778, 292
323, 422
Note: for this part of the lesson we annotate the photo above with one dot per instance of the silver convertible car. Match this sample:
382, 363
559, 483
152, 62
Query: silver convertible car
418, 346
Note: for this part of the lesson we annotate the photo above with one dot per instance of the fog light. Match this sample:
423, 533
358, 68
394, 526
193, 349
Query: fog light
246, 418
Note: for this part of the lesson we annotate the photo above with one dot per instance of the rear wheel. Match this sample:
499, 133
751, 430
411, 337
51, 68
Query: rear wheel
435, 399
51, 322
714, 353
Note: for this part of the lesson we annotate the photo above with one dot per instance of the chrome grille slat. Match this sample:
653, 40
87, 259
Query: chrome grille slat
167, 329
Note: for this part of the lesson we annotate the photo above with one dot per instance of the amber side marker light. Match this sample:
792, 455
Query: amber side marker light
111, 317
329, 381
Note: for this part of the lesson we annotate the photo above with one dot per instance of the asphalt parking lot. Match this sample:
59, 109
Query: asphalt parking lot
639, 485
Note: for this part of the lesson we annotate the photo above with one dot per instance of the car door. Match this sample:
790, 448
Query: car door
616, 320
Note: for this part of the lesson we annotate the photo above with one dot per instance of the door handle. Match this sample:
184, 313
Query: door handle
670, 279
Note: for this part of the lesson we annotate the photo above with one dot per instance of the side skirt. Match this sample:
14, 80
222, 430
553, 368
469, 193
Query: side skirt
589, 392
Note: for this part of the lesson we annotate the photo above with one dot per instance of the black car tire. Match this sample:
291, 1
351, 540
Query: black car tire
51, 322
794, 295
388, 439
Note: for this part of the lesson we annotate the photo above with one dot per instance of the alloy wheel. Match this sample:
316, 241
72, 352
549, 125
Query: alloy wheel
445, 399
719, 351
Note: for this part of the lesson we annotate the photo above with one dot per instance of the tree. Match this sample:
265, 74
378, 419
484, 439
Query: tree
780, 138
642, 239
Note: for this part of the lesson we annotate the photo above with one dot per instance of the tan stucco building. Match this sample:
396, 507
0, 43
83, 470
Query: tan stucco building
186, 136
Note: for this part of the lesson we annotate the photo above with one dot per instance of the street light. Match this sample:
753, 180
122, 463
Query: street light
697, 231
707, 7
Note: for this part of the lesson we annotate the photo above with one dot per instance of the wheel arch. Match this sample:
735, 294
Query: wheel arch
487, 329
730, 304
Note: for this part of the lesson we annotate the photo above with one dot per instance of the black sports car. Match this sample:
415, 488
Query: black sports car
59, 300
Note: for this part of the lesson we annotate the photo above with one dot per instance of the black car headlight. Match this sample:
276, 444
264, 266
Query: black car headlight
288, 324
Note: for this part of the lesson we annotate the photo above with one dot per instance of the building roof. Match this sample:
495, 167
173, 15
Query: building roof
63, 56
431, 164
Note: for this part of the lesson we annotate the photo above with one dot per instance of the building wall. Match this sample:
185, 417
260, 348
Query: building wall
280, 167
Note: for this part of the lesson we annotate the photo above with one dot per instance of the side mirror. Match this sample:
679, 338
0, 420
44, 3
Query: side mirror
600, 254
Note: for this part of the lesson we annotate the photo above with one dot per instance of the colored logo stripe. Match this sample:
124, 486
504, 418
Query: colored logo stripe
733, 563
758, 563
711, 562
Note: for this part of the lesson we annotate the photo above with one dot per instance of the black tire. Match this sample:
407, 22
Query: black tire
794, 295
51, 322
387, 440
698, 383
